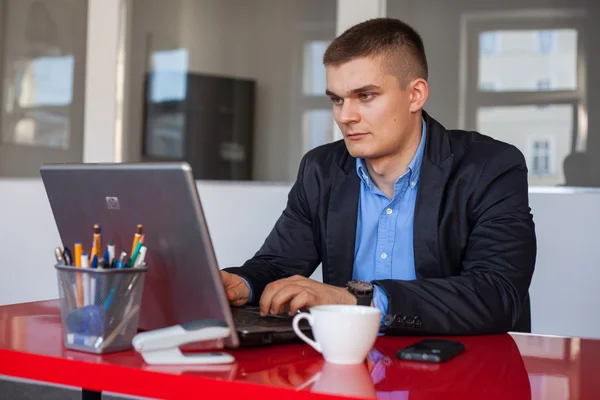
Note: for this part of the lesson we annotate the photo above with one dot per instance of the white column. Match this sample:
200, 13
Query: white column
351, 12
103, 30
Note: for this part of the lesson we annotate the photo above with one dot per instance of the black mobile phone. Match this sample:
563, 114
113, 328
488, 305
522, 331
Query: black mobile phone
431, 350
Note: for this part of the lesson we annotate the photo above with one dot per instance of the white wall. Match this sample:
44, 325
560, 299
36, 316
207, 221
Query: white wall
564, 290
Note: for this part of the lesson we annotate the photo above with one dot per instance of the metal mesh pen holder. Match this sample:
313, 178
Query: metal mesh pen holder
99, 307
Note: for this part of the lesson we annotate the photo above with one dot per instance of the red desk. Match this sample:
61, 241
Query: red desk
493, 367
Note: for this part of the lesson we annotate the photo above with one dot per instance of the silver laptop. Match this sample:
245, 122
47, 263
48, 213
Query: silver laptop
183, 282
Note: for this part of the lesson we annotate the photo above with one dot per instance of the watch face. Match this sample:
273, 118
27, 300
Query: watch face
360, 286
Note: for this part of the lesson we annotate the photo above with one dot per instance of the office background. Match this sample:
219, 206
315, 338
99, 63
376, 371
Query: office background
132, 80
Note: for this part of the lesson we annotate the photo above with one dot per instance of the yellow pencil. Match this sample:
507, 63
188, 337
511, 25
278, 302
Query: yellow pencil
78, 251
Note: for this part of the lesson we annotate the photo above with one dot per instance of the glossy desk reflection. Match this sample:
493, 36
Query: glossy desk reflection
500, 366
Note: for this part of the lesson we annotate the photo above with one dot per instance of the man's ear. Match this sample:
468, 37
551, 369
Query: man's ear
419, 92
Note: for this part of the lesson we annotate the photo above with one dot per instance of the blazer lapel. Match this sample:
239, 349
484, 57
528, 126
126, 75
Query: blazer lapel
341, 224
435, 170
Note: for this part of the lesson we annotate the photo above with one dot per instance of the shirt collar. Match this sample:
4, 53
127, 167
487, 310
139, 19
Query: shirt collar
414, 168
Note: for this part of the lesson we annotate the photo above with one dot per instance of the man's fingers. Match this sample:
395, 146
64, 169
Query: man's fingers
293, 299
277, 299
280, 301
303, 299
235, 299
273, 288
235, 288
265, 299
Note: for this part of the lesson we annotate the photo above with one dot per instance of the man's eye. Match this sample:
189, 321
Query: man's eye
365, 96
337, 100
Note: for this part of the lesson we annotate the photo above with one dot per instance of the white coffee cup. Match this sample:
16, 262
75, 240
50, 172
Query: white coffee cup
344, 334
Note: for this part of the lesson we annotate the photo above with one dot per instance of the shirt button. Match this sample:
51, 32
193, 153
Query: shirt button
412, 184
383, 256
388, 211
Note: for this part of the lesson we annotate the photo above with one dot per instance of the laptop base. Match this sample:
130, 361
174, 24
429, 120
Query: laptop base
254, 330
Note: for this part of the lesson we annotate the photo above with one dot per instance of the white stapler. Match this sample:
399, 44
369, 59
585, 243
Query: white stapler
161, 346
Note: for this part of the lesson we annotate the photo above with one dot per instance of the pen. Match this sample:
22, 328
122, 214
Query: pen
67, 256
135, 253
111, 253
86, 280
78, 252
106, 259
58, 254
121, 261
139, 261
109, 298
136, 237
104, 343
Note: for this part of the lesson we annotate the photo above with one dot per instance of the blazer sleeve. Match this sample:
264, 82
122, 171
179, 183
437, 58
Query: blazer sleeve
289, 249
488, 295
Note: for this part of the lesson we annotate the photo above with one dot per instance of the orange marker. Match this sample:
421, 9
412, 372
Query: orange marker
78, 252
136, 237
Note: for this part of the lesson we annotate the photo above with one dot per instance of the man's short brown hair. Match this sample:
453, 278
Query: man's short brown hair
399, 44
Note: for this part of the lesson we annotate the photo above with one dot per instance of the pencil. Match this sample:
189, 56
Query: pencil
96, 245
136, 237
78, 252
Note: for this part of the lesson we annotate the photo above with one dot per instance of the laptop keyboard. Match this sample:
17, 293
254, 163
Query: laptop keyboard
256, 311
246, 316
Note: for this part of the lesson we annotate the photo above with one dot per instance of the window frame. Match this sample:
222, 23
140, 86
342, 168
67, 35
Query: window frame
550, 154
302, 102
471, 98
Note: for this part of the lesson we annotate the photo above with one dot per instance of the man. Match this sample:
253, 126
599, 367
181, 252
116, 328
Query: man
434, 224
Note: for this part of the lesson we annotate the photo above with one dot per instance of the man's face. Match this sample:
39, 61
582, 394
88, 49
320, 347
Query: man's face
370, 107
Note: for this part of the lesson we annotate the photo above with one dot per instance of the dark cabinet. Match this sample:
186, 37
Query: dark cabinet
207, 121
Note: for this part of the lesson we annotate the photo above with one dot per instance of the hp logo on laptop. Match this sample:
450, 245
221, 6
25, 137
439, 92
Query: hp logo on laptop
113, 203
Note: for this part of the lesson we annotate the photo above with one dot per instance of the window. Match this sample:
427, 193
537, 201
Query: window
487, 86
488, 43
39, 102
541, 156
546, 41
169, 69
537, 108
543, 134
543, 84
317, 116
314, 71
519, 53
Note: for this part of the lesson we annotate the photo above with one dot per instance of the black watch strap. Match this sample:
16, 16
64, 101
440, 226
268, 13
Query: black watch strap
364, 300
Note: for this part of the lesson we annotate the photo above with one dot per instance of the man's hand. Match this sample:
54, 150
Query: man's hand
238, 293
297, 292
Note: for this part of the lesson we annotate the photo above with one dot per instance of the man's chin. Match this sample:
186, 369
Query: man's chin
358, 150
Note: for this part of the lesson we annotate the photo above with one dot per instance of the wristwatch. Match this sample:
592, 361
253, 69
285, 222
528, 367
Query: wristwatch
363, 291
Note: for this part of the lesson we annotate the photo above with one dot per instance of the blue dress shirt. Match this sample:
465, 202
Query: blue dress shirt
384, 228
